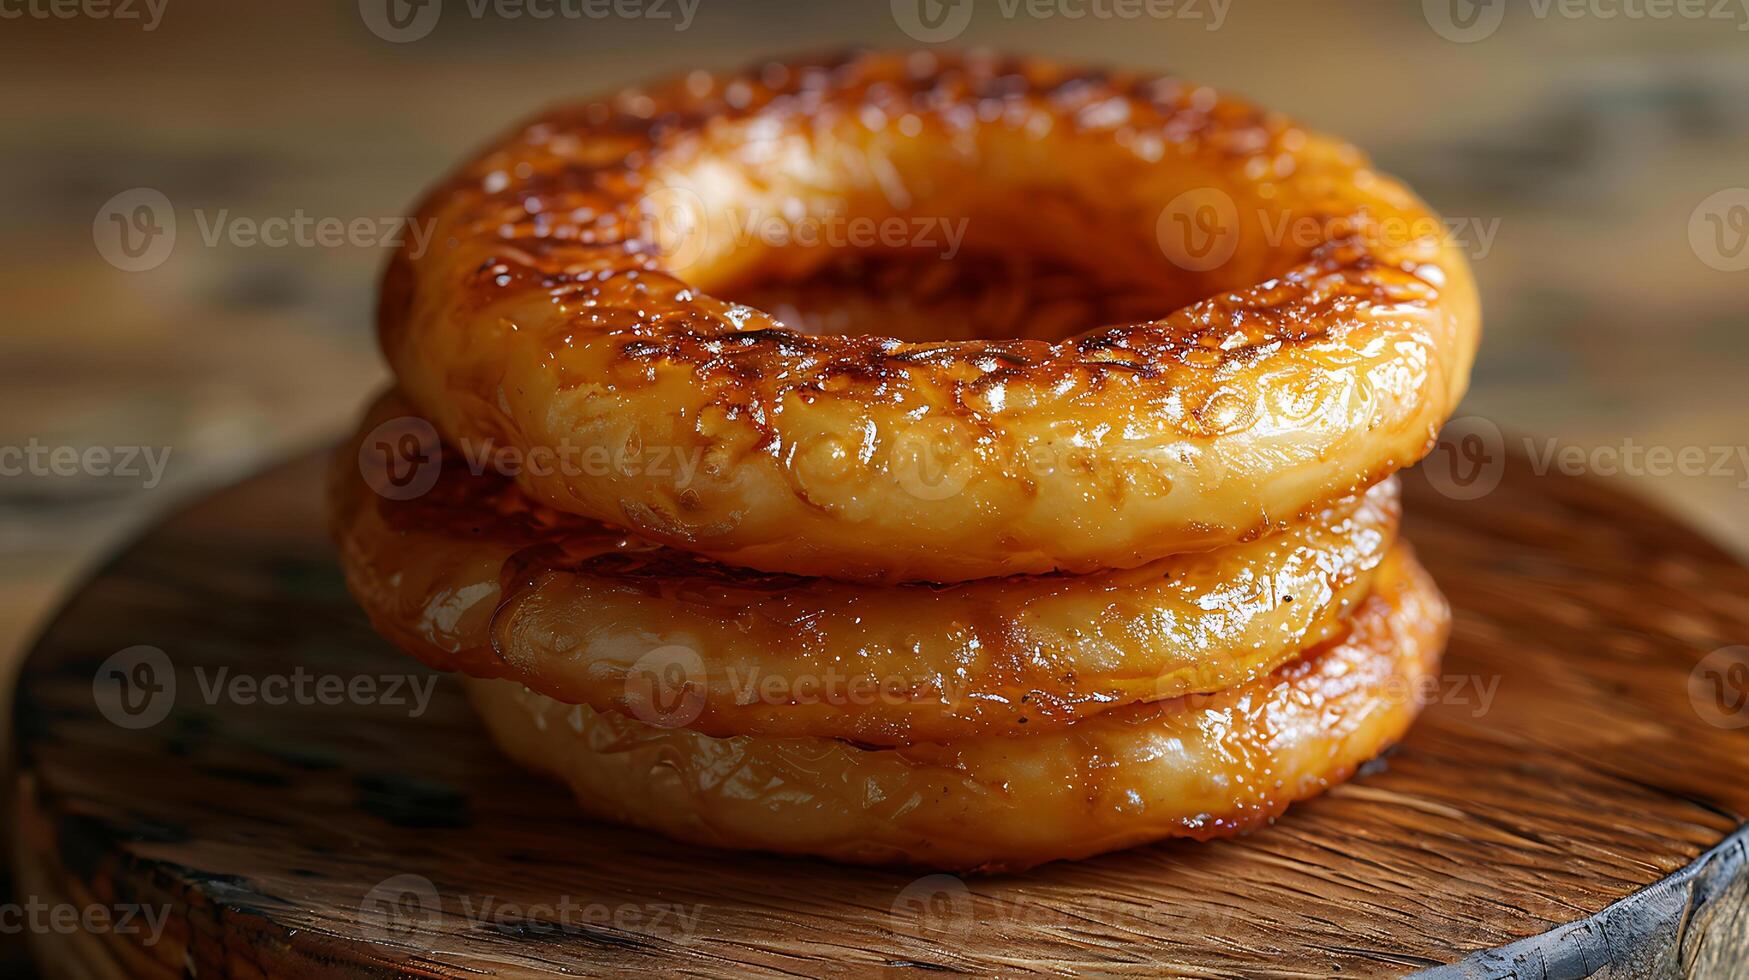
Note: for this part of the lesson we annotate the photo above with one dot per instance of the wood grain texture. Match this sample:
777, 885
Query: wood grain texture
1693, 923
1564, 771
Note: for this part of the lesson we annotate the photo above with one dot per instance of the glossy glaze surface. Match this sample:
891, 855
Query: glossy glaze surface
1202, 766
471, 576
567, 299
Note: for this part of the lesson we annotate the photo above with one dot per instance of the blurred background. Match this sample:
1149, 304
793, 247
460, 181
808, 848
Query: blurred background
1593, 156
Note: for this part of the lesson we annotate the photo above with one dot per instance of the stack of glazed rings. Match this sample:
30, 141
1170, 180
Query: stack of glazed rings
831, 584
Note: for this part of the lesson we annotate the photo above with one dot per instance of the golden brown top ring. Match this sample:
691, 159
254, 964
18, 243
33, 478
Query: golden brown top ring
1313, 326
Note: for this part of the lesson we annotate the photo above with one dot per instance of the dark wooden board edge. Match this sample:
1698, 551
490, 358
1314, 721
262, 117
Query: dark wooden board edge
210, 920
1694, 923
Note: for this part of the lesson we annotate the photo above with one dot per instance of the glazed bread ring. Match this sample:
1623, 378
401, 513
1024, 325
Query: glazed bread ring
1199, 767
578, 293
470, 576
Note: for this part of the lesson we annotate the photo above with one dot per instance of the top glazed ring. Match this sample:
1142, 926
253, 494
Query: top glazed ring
1313, 327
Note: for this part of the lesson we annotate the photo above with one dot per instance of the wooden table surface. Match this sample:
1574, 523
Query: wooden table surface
1574, 794
1590, 160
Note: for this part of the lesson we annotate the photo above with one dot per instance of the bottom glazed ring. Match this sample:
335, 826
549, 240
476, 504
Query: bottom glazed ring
1202, 766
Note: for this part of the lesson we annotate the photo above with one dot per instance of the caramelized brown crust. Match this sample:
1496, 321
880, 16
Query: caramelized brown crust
470, 576
1202, 767
550, 310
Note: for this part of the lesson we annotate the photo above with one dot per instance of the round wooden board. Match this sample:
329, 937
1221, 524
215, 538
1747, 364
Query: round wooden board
1576, 788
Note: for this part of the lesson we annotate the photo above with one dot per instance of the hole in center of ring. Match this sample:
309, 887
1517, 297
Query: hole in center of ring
919, 294
848, 233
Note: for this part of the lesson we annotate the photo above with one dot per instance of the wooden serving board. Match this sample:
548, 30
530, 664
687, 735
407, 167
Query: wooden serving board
1571, 803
